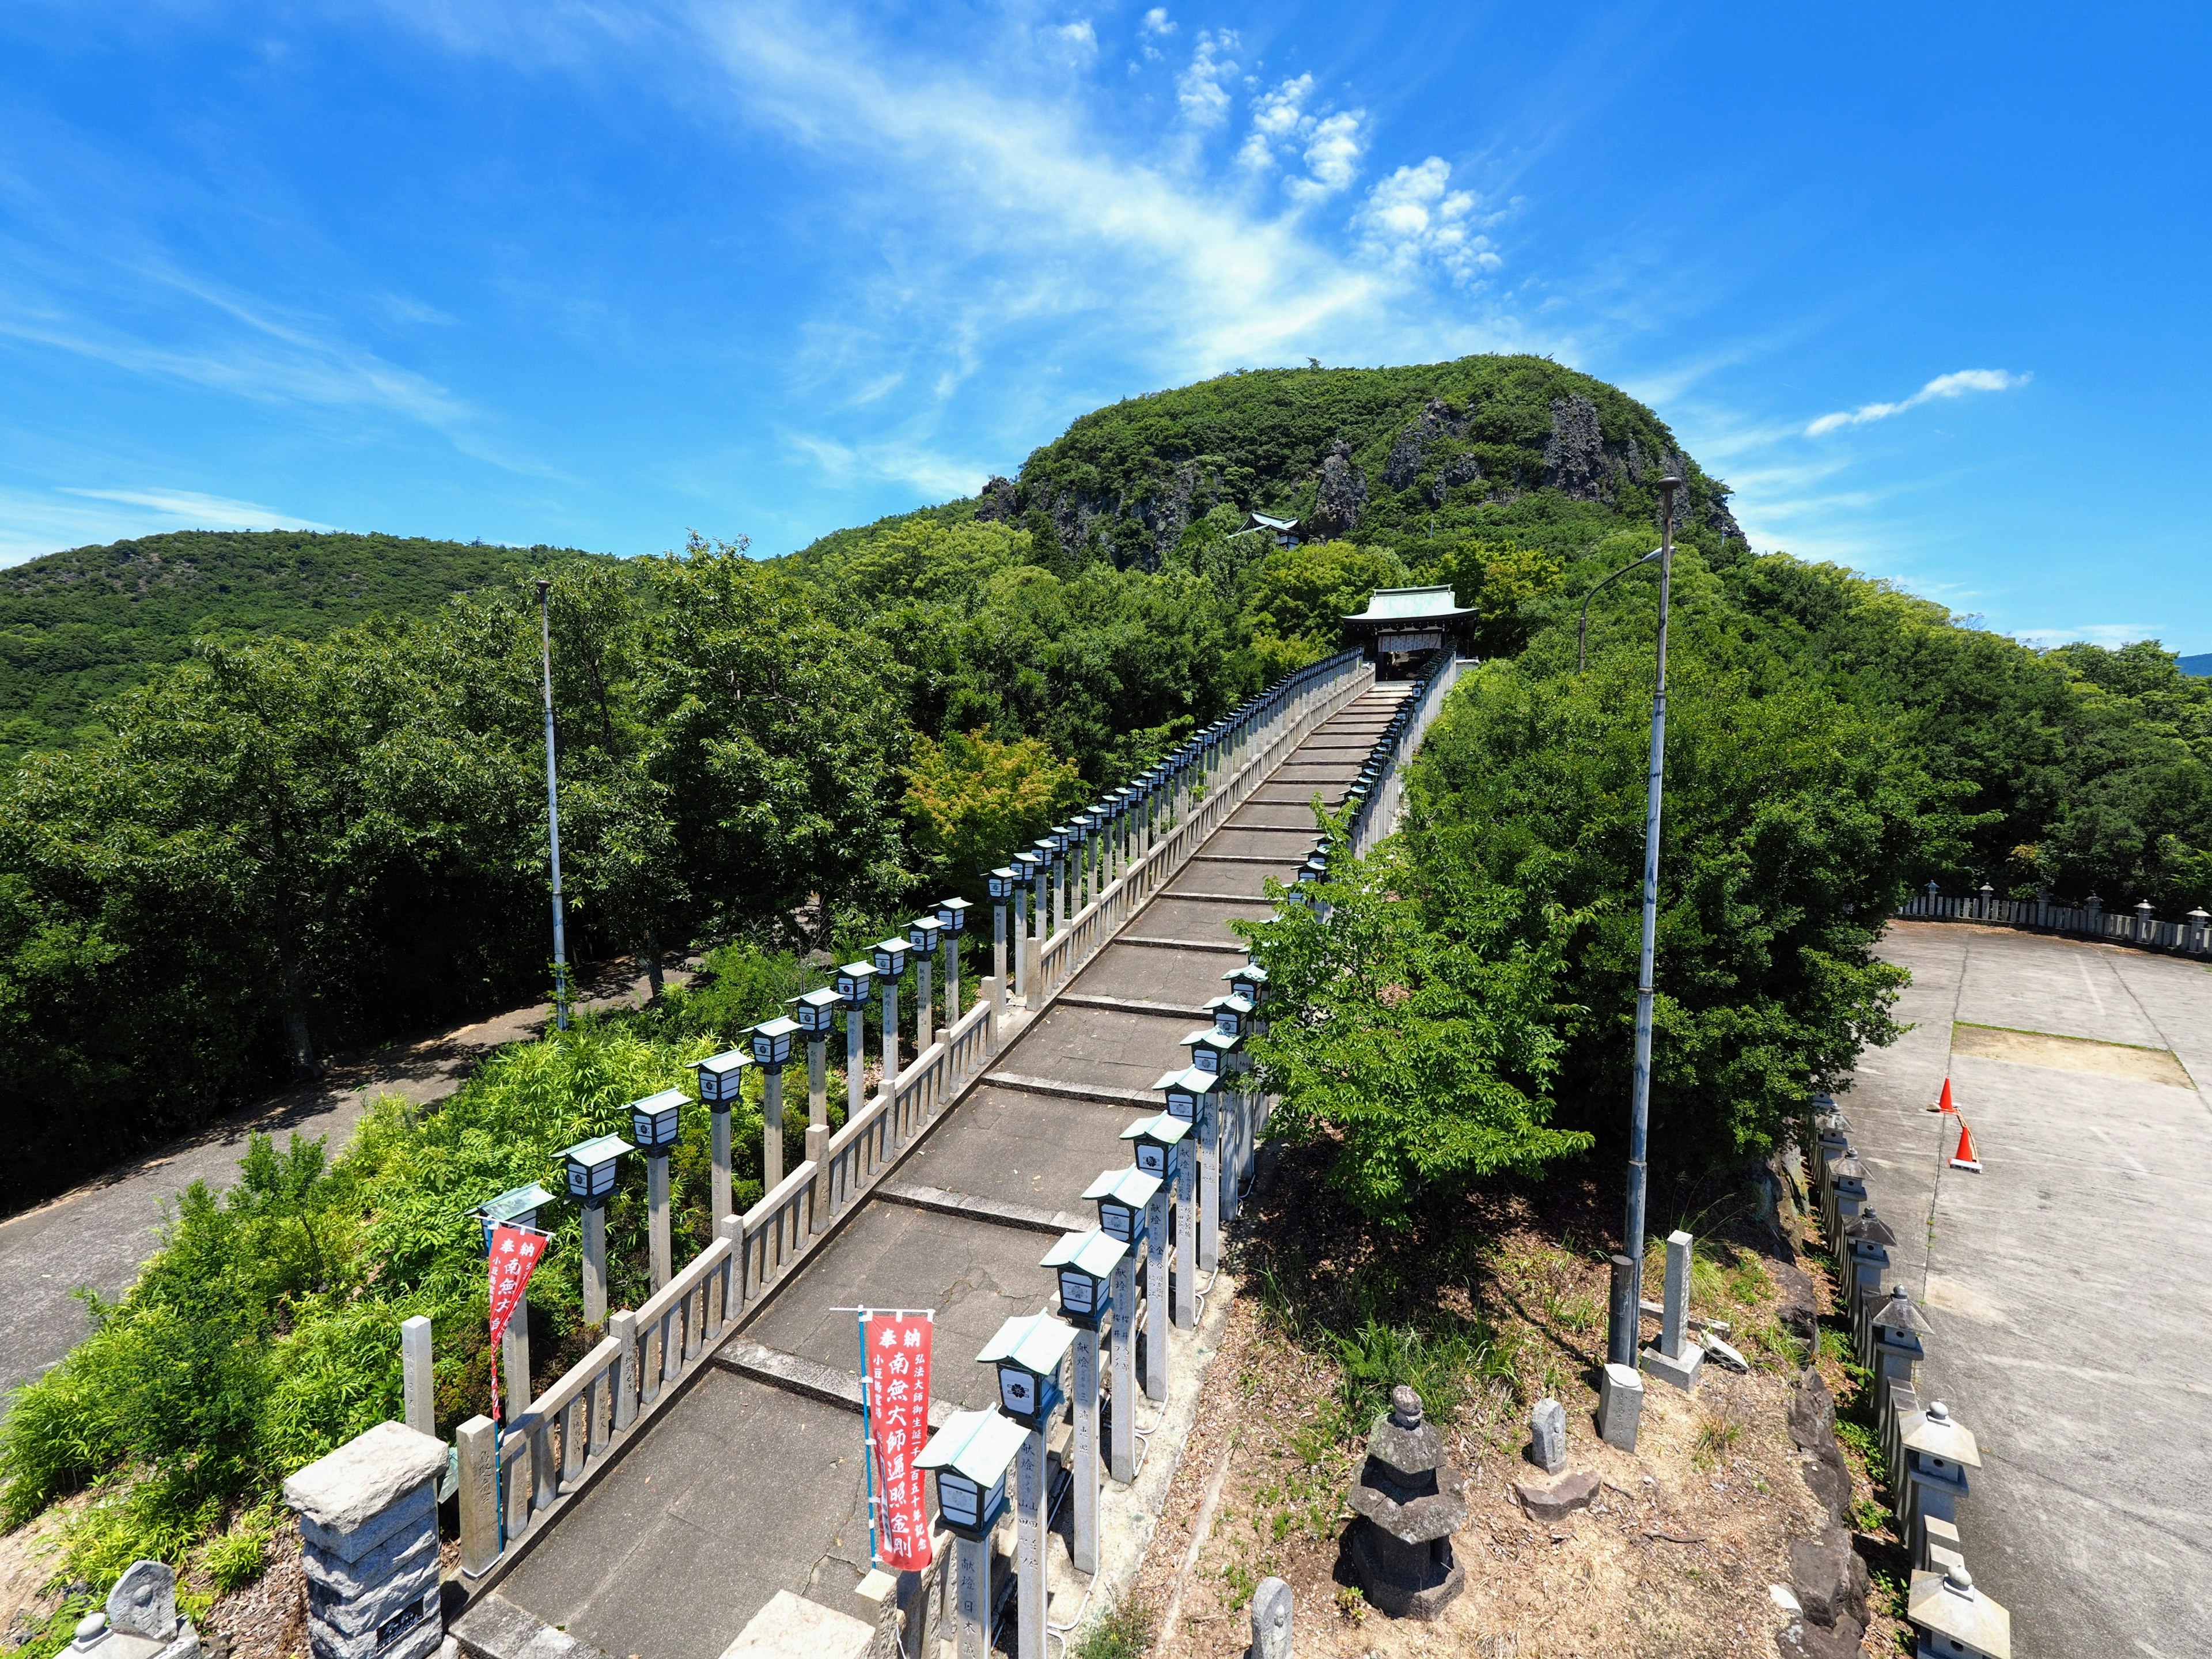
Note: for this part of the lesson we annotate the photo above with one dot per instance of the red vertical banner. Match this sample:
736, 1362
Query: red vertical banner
895, 1379
515, 1253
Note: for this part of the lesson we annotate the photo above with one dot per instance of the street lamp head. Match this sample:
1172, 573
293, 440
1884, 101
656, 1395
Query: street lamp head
816, 1012
589, 1166
1085, 1263
971, 1454
1154, 1140
1122, 1196
771, 1041
1028, 1351
1250, 982
515, 1208
1002, 882
853, 981
655, 1122
921, 934
952, 915
890, 956
722, 1078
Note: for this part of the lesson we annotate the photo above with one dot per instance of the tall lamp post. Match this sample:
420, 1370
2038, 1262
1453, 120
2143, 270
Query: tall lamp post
1628, 1285
553, 806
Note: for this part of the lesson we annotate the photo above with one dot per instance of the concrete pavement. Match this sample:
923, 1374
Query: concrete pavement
100, 1234
749, 1488
2070, 1284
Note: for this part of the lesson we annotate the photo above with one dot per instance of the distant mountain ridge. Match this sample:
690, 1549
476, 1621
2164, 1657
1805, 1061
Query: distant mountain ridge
2199, 665
78, 627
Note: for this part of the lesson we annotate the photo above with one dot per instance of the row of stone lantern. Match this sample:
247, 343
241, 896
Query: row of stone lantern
1930, 1451
1187, 1163
1364, 795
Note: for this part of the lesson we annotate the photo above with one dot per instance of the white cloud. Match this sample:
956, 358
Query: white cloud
1078, 39
1943, 386
1204, 101
1414, 215
1329, 145
934, 474
1331, 158
1157, 21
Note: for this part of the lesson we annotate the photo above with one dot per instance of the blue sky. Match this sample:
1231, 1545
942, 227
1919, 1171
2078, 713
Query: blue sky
1924, 284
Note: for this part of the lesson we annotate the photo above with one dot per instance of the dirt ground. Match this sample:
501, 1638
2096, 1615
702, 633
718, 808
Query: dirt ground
1674, 1559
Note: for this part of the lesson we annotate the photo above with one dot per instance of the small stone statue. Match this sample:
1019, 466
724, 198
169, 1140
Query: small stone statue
140, 1621
1547, 1435
1409, 1502
1271, 1621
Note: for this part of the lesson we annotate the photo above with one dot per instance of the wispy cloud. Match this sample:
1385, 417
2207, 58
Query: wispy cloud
2110, 636
204, 512
1956, 385
1415, 214
936, 475
38, 522
1330, 145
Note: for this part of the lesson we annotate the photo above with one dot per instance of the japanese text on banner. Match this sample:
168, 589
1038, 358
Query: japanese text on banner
897, 1384
515, 1253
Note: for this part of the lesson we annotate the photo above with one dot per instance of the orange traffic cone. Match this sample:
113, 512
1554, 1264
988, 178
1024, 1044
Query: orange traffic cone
1944, 1104
1964, 1159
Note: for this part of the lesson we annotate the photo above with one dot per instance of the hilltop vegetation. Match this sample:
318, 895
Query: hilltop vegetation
79, 627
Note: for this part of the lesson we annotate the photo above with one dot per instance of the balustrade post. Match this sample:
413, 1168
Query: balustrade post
477, 1442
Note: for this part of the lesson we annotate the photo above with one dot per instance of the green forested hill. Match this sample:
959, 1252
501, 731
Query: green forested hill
1495, 447
77, 627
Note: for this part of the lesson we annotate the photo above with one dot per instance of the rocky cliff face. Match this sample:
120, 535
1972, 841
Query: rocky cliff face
1579, 463
1343, 493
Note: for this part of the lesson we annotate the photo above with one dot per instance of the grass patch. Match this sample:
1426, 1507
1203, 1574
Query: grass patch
1126, 1632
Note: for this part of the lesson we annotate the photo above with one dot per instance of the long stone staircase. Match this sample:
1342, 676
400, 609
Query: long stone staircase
748, 1481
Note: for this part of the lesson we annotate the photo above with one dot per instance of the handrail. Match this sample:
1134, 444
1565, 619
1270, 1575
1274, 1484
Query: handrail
2190, 936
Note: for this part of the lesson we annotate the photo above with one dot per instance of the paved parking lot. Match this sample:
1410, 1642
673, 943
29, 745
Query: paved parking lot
2070, 1284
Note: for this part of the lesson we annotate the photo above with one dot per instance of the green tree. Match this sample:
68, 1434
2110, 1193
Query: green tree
972, 801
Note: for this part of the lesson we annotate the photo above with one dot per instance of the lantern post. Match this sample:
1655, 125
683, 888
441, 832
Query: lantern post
1124, 1198
1003, 884
951, 922
721, 1084
971, 1454
771, 1047
655, 1123
1061, 835
851, 982
921, 936
1025, 867
1162, 1148
589, 1167
890, 956
1087, 1264
1028, 1352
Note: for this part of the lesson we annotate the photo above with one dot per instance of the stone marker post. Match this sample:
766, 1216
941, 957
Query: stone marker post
417, 1389
1209, 1193
817, 1123
1675, 1358
1028, 1546
594, 1220
891, 1032
994, 991
771, 1139
1621, 1407
369, 1536
1547, 1435
971, 1561
1122, 1453
1060, 892
1084, 1549
856, 1047
1271, 1621
923, 1007
1185, 1277
999, 934
951, 979
718, 1179
656, 1212
1156, 1297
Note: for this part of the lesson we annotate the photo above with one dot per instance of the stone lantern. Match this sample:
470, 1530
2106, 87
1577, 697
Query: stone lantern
722, 1083
889, 957
655, 1122
589, 1166
1955, 1620
1409, 1502
852, 983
